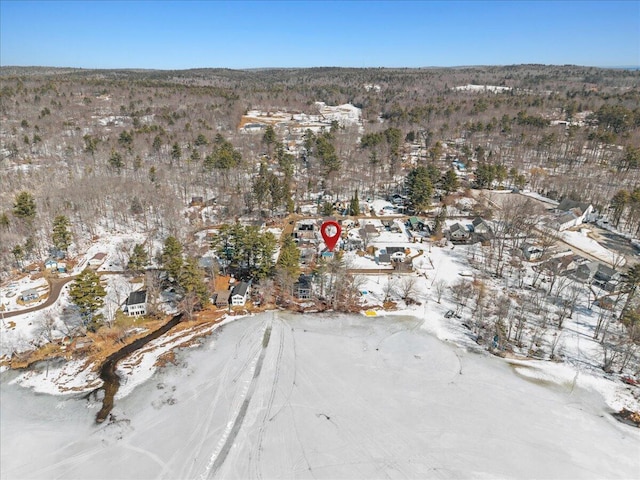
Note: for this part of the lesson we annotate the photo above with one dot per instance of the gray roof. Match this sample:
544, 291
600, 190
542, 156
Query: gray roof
567, 205
240, 289
384, 258
566, 218
137, 297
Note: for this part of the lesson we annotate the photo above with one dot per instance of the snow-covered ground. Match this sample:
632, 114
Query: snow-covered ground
10, 294
329, 396
582, 241
23, 332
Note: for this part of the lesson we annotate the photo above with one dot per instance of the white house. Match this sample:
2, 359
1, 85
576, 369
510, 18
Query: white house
239, 294
51, 264
137, 303
571, 214
97, 259
458, 233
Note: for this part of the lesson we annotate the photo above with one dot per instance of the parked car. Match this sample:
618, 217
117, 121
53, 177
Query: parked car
449, 314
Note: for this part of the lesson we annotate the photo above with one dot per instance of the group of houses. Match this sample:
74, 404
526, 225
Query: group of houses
236, 296
582, 270
477, 231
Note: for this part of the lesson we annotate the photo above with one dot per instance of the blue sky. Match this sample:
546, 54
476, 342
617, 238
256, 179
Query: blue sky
194, 34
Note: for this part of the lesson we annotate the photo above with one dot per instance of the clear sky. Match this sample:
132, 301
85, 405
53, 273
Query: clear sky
194, 34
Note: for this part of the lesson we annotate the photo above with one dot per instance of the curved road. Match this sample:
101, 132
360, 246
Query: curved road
55, 287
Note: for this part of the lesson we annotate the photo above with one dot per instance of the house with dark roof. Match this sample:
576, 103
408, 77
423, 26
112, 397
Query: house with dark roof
459, 233
302, 288
137, 303
585, 272
239, 294
606, 278
480, 226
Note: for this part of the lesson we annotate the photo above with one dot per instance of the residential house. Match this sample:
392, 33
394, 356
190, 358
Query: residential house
371, 230
221, 298
137, 303
459, 233
417, 224
302, 288
239, 294
97, 260
32, 269
585, 272
572, 214
606, 278
391, 226
396, 254
30, 295
481, 227
62, 267
197, 201
458, 165
559, 265
564, 221
51, 264
398, 199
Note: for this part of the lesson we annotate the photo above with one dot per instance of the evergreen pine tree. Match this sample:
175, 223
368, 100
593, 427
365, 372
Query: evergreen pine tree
172, 256
87, 293
420, 188
61, 235
450, 181
138, 259
24, 206
191, 279
354, 206
289, 259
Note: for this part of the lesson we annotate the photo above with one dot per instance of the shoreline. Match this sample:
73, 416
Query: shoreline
77, 376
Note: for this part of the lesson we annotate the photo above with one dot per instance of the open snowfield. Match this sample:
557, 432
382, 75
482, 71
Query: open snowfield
323, 396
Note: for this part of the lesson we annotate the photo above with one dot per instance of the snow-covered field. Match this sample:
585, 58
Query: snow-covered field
582, 241
329, 396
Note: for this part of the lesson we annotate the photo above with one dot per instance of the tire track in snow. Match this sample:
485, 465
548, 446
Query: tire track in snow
265, 419
237, 424
202, 433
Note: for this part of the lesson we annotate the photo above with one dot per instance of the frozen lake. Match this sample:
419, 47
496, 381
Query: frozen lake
327, 397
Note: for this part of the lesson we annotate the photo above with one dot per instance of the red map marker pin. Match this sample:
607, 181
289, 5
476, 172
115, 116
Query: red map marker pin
330, 231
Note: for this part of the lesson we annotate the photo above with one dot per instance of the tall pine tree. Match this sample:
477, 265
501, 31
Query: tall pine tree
172, 256
138, 259
61, 235
88, 294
